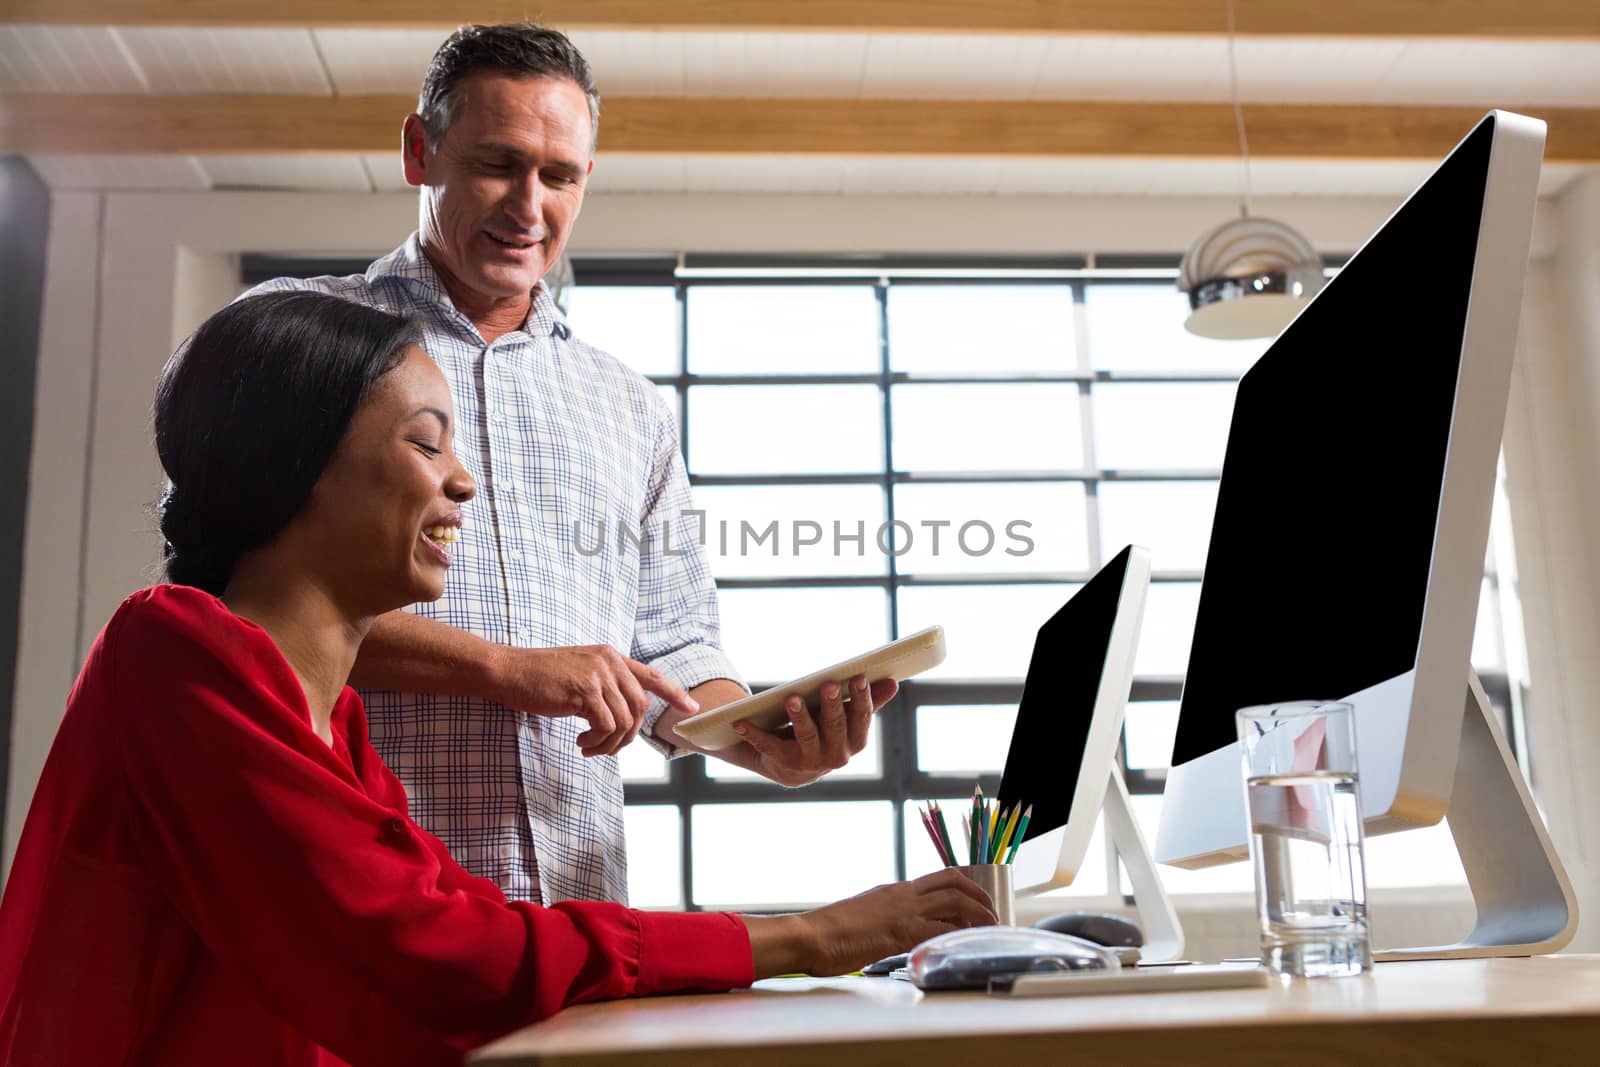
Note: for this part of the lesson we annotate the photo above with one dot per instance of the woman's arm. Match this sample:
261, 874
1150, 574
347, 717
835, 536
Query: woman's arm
847, 936
337, 910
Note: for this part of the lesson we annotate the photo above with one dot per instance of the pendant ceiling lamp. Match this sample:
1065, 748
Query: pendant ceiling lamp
1249, 276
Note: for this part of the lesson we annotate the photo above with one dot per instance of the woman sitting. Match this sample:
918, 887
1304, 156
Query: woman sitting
216, 867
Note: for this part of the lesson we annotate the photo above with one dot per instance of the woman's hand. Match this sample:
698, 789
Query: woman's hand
847, 936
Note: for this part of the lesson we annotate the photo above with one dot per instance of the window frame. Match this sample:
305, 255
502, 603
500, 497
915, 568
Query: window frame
900, 780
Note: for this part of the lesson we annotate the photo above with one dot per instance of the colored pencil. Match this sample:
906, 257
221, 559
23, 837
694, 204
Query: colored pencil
966, 828
1022, 828
941, 835
990, 815
983, 831
944, 831
944, 841
977, 824
1010, 830
938, 846
988, 833
936, 821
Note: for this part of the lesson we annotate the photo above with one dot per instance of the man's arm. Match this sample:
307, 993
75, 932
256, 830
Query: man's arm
407, 653
410, 654
676, 628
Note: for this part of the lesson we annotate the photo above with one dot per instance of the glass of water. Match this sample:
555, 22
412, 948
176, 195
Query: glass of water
1304, 806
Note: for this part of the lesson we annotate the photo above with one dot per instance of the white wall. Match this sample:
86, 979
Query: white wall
1552, 452
47, 625
130, 274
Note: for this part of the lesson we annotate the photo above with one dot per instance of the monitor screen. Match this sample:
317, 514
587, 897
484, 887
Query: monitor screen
1058, 701
1323, 536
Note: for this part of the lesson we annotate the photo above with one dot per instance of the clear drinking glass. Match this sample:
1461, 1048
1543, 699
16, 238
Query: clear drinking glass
1306, 840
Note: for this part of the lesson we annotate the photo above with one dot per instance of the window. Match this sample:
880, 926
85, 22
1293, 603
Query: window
866, 450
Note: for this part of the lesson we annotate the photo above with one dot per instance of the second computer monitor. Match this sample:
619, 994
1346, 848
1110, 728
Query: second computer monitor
1064, 746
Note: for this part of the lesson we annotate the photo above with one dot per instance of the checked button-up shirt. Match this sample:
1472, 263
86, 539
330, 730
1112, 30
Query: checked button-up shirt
582, 533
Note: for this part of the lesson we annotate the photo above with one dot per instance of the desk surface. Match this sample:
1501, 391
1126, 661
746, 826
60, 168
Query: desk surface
1539, 1010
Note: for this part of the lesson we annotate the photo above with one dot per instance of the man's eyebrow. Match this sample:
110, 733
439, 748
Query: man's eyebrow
502, 147
443, 417
519, 153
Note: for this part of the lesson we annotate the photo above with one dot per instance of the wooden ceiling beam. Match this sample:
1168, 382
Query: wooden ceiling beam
52, 123
1535, 19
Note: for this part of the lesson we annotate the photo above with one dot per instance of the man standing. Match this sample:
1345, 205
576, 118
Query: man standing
501, 706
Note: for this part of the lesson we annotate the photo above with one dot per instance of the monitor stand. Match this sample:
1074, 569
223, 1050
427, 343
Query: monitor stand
1163, 937
1524, 901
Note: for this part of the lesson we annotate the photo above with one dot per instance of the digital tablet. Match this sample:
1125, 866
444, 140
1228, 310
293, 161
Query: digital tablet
899, 660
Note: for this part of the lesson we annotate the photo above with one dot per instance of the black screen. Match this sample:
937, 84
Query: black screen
1323, 536
1069, 658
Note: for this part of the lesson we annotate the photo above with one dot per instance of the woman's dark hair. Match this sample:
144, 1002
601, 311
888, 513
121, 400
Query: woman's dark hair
248, 413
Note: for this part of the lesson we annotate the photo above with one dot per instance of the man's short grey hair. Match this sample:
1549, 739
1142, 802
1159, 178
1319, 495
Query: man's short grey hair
521, 50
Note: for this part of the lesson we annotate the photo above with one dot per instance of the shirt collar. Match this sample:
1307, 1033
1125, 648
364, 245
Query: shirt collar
409, 266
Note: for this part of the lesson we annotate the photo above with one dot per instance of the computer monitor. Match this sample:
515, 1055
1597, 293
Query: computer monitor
1347, 547
1063, 754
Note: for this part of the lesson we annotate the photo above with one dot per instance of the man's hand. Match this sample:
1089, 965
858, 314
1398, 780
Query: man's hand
813, 744
594, 682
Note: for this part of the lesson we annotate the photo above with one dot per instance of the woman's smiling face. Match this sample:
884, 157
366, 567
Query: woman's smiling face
383, 517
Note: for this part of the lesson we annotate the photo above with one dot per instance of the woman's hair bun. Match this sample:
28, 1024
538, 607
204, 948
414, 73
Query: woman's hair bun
190, 557
248, 413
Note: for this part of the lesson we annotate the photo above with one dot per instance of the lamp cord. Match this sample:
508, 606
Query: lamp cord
1238, 115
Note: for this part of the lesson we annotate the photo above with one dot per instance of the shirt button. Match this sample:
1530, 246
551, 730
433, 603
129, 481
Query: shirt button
525, 633
394, 831
515, 554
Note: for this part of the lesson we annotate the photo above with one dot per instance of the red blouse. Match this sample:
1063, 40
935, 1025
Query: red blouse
202, 880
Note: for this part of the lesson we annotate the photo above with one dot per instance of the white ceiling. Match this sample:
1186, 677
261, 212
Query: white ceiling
850, 66
845, 175
1034, 67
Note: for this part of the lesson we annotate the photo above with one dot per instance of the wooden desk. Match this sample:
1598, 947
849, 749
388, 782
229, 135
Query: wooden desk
1543, 1010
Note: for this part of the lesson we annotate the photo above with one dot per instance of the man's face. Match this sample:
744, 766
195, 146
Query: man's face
503, 186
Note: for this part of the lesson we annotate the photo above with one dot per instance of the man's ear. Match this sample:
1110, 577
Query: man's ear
414, 150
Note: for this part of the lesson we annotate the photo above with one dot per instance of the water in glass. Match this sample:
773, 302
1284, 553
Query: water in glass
1310, 885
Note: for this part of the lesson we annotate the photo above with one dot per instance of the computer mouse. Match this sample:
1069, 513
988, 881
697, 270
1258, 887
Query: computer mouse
1112, 931
968, 959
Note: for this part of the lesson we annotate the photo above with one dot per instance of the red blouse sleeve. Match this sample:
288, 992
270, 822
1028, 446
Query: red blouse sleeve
347, 918
380, 783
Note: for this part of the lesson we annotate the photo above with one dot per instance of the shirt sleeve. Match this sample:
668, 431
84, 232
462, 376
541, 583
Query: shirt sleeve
347, 918
677, 630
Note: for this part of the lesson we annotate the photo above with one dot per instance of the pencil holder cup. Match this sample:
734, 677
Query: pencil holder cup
995, 879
